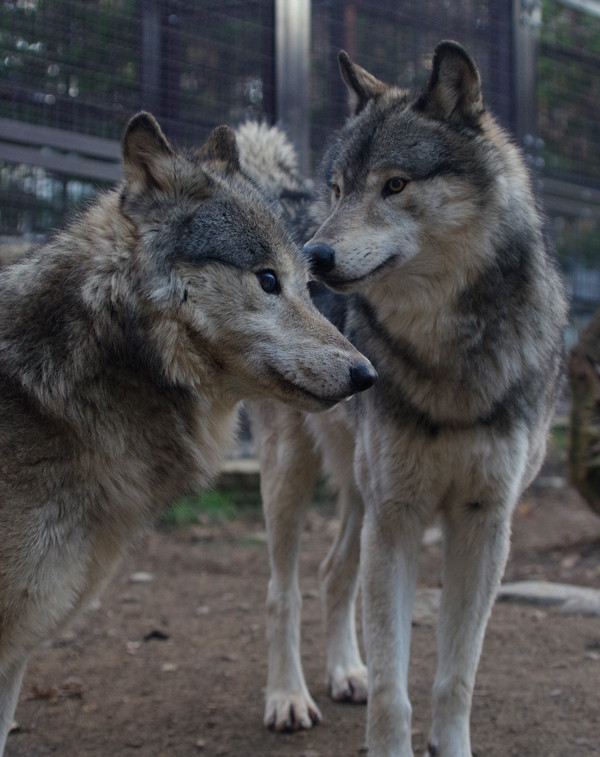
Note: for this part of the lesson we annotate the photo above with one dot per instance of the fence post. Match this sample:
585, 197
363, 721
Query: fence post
526, 20
292, 55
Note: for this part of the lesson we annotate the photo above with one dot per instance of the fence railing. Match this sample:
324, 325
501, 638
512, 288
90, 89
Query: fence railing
60, 151
199, 64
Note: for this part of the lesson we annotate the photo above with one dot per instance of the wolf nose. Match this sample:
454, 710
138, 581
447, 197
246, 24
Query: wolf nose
362, 376
321, 257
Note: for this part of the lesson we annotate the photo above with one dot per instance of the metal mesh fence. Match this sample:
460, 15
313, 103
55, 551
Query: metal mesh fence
568, 92
87, 66
395, 41
566, 150
70, 68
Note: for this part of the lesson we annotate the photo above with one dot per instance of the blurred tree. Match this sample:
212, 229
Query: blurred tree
65, 62
568, 91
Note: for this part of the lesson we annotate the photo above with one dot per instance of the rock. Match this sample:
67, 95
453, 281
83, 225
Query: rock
574, 600
141, 577
426, 607
432, 536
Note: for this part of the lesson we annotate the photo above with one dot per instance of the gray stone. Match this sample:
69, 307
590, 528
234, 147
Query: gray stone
573, 600
426, 607
563, 597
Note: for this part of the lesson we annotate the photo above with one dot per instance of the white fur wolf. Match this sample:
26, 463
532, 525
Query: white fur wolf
430, 231
126, 345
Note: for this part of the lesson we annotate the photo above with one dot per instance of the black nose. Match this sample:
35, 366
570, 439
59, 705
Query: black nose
362, 376
321, 257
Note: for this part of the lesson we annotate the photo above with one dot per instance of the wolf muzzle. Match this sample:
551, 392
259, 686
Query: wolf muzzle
362, 376
321, 258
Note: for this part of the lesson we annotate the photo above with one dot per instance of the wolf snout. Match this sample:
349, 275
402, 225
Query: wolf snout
321, 257
362, 376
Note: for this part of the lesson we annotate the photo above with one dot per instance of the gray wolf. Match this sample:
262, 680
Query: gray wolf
126, 345
431, 243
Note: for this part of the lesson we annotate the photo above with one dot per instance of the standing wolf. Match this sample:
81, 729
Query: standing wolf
430, 230
125, 347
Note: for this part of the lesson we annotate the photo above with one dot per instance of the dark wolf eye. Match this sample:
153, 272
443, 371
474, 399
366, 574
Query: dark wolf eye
268, 282
393, 186
337, 192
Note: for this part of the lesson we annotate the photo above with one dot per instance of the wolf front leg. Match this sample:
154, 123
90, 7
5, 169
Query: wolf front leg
346, 672
288, 471
10, 685
388, 572
476, 548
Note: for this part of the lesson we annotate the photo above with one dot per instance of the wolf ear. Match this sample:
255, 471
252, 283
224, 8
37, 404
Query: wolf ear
453, 92
221, 149
147, 153
362, 86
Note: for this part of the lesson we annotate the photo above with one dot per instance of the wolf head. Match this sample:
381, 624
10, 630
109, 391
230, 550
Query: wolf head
411, 177
221, 279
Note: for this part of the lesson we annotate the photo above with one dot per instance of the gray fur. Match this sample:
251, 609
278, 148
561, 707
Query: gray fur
443, 279
269, 159
126, 345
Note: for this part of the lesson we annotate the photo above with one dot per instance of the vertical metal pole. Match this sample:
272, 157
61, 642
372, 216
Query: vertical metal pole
526, 15
292, 55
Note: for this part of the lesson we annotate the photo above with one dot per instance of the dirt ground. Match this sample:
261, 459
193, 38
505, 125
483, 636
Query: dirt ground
175, 666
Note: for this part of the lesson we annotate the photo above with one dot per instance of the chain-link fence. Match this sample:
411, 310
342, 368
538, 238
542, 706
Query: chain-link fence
72, 73
566, 148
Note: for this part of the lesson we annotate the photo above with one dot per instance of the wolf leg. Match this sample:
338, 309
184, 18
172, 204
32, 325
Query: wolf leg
388, 574
10, 685
346, 672
476, 548
288, 471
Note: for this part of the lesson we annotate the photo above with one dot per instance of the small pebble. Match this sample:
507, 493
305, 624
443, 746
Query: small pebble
141, 577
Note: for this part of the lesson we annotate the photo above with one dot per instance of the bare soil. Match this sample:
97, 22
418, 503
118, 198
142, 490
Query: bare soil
175, 666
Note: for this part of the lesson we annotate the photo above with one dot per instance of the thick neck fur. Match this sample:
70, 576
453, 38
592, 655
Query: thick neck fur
84, 304
84, 342
418, 299
475, 314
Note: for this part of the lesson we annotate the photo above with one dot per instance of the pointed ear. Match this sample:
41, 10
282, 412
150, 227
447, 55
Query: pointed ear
221, 149
147, 153
453, 92
362, 86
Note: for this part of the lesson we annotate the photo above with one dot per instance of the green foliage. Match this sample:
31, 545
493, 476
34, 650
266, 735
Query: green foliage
577, 240
54, 53
560, 437
77, 64
211, 507
568, 90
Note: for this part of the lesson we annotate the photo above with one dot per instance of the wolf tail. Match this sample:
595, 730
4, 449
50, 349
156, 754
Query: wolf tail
270, 160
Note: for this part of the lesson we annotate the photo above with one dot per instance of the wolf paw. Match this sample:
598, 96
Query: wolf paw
349, 685
286, 712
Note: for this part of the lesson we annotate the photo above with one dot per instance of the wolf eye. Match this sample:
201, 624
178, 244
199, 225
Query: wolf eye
337, 192
268, 281
393, 186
